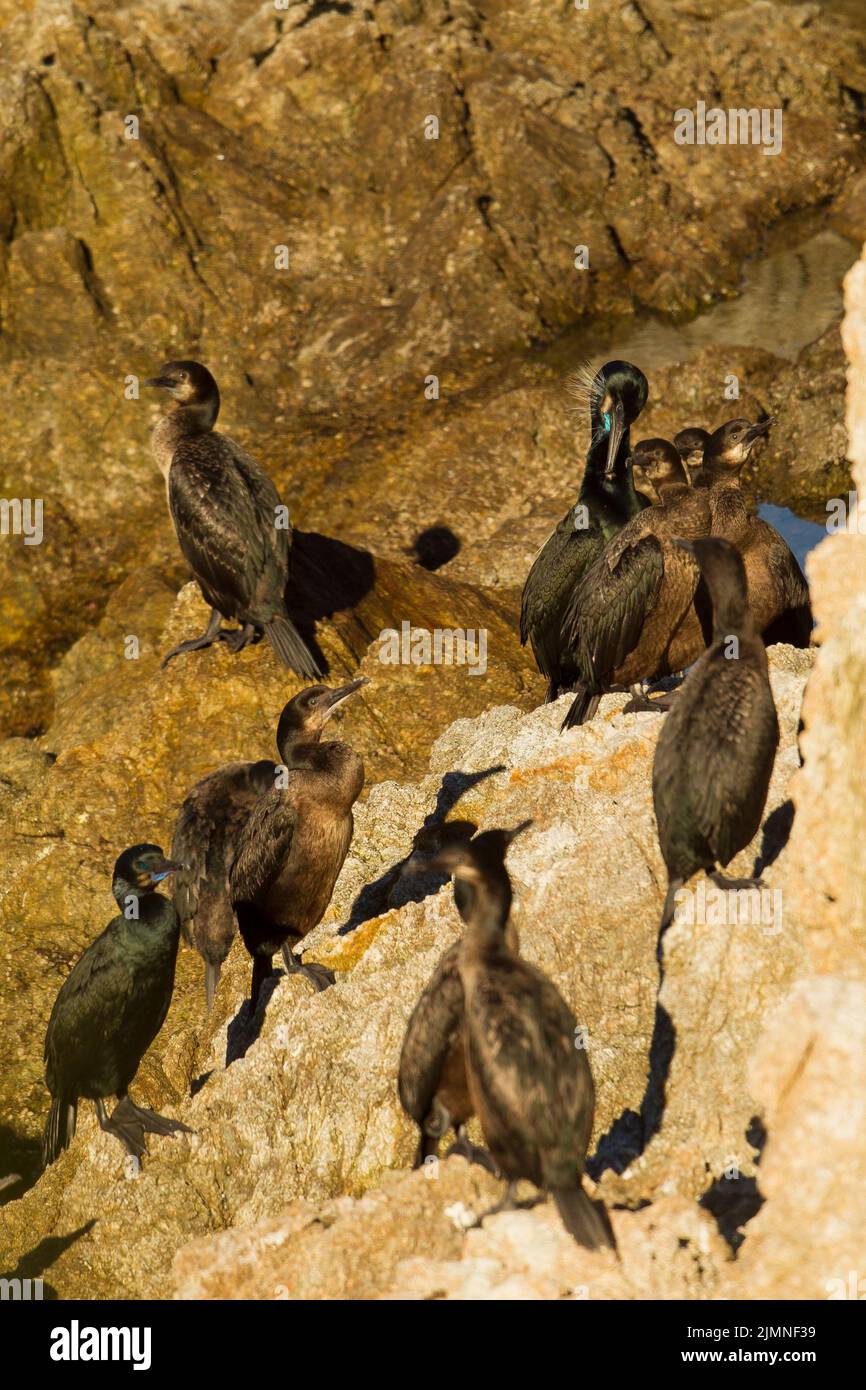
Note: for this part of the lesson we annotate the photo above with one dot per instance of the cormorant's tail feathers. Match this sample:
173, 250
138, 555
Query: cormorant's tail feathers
59, 1129
585, 1220
291, 649
582, 708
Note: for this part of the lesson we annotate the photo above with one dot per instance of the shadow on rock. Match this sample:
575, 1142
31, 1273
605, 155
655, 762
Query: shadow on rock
33, 1264
433, 548
393, 888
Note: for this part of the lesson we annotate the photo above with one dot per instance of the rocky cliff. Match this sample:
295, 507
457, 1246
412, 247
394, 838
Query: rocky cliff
730, 1118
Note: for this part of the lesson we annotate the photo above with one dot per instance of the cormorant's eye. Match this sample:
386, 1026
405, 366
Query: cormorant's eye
735, 436
183, 376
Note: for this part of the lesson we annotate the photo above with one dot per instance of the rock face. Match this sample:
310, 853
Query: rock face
164, 193
307, 1109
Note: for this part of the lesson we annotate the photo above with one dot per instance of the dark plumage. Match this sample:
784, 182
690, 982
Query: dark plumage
432, 1081
716, 749
225, 512
111, 1007
293, 845
529, 1084
607, 499
639, 612
205, 839
777, 587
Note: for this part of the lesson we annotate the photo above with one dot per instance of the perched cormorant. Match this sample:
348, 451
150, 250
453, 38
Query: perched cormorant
225, 512
293, 845
205, 840
639, 613
715, 753
607, 499
690, 444
658, 470
431, 1081
111, 1007
529, 1083
778, 591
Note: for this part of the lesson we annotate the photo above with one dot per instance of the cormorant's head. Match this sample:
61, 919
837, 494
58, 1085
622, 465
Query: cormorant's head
305, 716
690, 445
729, 446
619, 394
657, 466
469, 860
189, 383
138, 871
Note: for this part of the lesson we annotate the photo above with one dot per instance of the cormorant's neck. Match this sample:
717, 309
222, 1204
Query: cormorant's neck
619, 483
196, 418
490, 906
732, 616
298, 748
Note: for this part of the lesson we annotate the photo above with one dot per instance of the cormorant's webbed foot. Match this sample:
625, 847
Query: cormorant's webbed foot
237, 638
721, 881
473, 1153
127, 1112
640, 701
318, 975
195, 644
126, 1128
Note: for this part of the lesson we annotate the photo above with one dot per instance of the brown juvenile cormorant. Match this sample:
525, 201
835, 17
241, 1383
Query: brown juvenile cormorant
658, 470
715, 753
607, 499
690, 444
205, 839
225, 512
778, 591
530, 1082
111, 1007
431, 1081
293, 845
639, 614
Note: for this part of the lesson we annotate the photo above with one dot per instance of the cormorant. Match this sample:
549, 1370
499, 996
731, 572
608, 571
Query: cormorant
690, 444
607, 499
658, 470
111, 1007
293, 845
715, 753
778, 591
225, 512
529, 1082
431, 1081
639, 613
205, 840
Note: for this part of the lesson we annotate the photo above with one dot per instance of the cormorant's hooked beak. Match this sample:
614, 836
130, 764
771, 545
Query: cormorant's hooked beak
518, 830
168, 866
159, 381
755, 431
336, 697
615, 419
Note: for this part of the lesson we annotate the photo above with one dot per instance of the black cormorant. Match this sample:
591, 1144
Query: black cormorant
607, 499
225, 512
111, 1007
529, 1078
293, 845
716, 749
